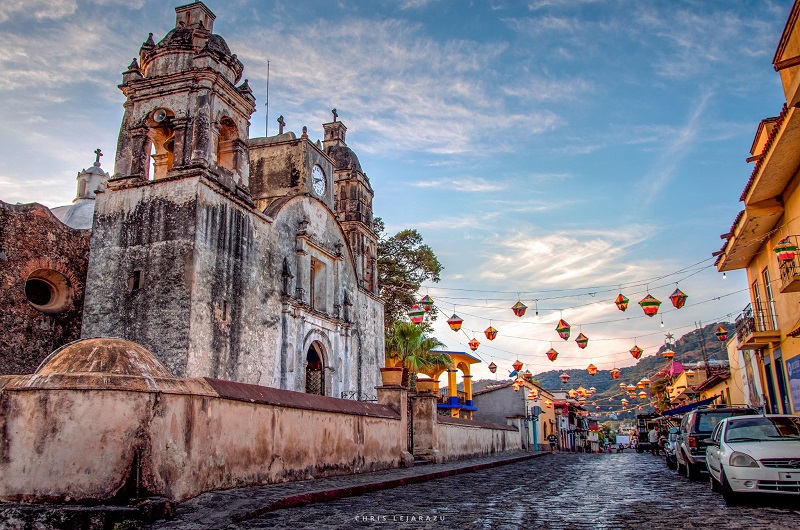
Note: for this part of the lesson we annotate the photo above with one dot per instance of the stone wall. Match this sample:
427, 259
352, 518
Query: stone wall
458, 438
32, 240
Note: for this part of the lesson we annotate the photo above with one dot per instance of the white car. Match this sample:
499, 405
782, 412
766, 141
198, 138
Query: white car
754, 454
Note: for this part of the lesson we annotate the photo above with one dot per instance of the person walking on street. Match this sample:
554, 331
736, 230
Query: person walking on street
552, 439
652, 437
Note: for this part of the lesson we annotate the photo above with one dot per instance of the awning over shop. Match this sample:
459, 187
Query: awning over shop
691, 406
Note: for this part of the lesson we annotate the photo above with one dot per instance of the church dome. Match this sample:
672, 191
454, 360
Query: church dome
344, 158
80, 215
103, 356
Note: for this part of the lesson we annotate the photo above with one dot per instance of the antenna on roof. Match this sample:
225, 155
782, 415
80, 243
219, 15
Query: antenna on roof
266, 105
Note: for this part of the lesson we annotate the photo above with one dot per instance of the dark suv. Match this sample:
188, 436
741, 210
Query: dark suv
696, 426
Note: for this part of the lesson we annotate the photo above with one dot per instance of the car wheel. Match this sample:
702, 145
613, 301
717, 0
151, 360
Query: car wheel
692, 471
680, 467
671, 464
731, 497
715, 487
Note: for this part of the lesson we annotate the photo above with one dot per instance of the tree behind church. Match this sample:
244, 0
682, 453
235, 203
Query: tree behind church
404, 262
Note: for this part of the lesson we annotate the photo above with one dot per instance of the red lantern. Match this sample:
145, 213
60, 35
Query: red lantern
592, 369
455, 322
678, 298
597, 407
552, 354
582, 341
722, 334
563, 329
640, 385
785, 249
649, 305
668, 354
490, 333
416, 314
564, 378
646, 382
636, 351
615, 373
473, 344
642, 395
621, 302
519, 308
426, 303
492, 367
622, 386
517, 365
532, 395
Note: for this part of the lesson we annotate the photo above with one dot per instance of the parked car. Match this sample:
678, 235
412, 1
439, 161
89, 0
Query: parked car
754, 454
696, 426
669, 445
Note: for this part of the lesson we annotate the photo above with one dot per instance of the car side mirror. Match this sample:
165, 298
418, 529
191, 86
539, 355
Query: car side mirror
709, 441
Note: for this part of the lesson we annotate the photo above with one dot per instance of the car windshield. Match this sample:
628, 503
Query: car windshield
763, 429
708, 420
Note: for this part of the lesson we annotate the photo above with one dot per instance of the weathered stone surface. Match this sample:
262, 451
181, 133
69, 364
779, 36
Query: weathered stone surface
33, 240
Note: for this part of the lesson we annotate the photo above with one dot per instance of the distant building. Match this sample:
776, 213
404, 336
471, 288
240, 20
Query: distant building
502, 404
764, 239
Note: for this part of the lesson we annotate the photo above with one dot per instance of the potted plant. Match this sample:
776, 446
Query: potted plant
408, 347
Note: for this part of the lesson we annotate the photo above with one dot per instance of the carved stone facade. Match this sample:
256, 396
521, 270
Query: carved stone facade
245, 259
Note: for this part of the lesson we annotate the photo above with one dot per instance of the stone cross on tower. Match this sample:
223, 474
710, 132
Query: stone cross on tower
335, 114
281, 124
99, 153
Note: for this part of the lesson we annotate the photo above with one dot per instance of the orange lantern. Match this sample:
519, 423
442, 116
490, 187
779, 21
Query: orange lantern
649, 305
630, 388
622, 386
552, 354
548, 404
678, 298
668, 354
646, 382
582, 341
615, 373
473, 344
490, 333
572, 393
519, 308
517, 365
592, 369
642, 395
636, 351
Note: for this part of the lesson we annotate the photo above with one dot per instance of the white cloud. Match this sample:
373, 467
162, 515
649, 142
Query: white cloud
39, 9
468, 185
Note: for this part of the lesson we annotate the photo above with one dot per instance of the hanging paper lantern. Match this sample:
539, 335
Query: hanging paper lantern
563, 329
582, 341
622, 386
581, 391
492, 367
490, 333
630, 388
646, 382
624, 401
519, 308
473, 344
597, 407
615, 373
572, 393
642, 395
668, 354
548, 404
426, 303
517, 365
455, 322
592, 369
552, 354
639, 407
516, 385
564, 378
636, 351
639, 385
592, 390
785, 249
649, 305
416, 314
532, 395
722, 334
678, 298
527, 375
621, 302
690, 373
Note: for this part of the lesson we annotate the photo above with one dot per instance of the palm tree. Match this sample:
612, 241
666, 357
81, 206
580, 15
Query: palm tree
408, 346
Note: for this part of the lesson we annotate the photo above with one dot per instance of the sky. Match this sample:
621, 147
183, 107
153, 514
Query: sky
556, 152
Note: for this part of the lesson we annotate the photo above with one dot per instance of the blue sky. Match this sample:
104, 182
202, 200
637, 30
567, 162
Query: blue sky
551, 148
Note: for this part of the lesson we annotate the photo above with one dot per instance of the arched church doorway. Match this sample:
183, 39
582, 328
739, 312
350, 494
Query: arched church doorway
315, 369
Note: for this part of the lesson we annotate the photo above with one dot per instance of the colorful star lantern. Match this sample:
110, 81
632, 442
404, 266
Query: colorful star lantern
650, 305
678, 298
492, 367
642, 395
416, 314
490, 333
564, 378
519, 308
615, 373
552, 354
426, 303
473, 344
785, 250
722, 334
455, 322
582, 341
668, 354
646, 382
636, 351
621, 302
591, 369
517, 365
563, 329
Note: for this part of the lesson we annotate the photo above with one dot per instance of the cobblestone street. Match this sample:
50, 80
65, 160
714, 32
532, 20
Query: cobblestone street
561, 491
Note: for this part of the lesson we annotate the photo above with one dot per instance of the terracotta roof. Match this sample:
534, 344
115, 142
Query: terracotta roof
787, 31
767, 146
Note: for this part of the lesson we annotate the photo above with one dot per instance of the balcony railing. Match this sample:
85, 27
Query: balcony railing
756, 329
790, 271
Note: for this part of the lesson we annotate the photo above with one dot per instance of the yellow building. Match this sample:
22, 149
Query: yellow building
770, 324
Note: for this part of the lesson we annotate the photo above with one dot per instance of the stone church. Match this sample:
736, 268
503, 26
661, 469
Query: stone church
230, 257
